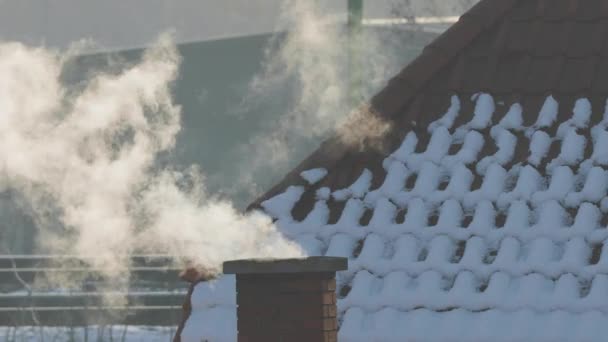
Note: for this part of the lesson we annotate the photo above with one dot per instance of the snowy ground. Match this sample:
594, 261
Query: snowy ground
118, 333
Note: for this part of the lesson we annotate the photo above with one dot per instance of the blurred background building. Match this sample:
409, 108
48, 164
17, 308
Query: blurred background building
224, 45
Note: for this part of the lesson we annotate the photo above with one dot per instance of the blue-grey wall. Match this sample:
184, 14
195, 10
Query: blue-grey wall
212, 83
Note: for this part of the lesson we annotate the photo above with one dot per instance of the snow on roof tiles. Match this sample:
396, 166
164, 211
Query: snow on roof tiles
433, 267
482, 214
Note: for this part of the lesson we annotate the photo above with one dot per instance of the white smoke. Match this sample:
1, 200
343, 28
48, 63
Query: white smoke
326, 72
85, 161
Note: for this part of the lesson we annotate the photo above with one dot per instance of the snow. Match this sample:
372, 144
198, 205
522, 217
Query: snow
513, 119
438, 147
447, 120
506, 142
281, 205
491, 188
600, 153
466, 277
572, 150
548, 113
393, 183
580, 118
313, 176
357, 189
323, 193
90, 333
484, 108
473, 143
213, 315
214, 324
562, 183
539, 146
528, 183
594, 189
482, 115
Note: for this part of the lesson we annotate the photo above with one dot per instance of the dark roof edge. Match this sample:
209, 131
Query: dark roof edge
392, 99
327, 153
401, 89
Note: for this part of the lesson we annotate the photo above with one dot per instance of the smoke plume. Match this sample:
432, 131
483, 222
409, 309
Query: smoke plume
85, 162
326, 71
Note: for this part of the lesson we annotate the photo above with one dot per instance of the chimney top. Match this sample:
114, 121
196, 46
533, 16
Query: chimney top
296, 265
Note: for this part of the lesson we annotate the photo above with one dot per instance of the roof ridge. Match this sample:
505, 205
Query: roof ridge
391, 99
436, 55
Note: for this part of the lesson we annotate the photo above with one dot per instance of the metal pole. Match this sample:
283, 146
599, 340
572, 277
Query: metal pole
355, 12
355, 18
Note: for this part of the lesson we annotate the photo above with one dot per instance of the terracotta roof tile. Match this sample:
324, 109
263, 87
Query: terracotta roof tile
525, 11
566, 104
517, 36
465, 30
592, 10
549, 38
431, 104
411, 113
542, 74
422, 69
577, 75
488, 12
600, 80
440, 84
531, 103
507, 75
470, 74
486, 44
594, 32
556, 10
393, 98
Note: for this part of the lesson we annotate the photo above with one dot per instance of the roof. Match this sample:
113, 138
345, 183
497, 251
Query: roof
481, 213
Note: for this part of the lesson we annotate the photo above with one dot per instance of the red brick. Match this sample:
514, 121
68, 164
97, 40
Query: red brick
314, 310
287, 286
286, 323
278, 336
278, 299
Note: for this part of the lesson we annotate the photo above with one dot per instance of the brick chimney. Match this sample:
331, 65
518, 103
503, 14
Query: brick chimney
286, 300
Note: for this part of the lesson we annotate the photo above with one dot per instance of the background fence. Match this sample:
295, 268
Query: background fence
33, 292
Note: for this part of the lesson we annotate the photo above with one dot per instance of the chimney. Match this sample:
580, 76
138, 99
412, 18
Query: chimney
286, 300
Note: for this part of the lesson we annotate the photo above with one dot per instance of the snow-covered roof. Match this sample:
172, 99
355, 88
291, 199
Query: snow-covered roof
481, 213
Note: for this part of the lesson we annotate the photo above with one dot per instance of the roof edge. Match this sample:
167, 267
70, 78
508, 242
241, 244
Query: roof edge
392, 99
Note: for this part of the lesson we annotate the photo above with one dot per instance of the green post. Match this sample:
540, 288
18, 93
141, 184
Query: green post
355, 19
355, 13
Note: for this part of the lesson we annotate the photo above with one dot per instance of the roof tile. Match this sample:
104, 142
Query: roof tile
555, 10
525, 11
488, 12
592, 10
440, 84
473, 74
542, 74
456, 37
577, 74
422, 69
517, 36
393, 98
600, 81
531, 107
507, 75
549, 38
593, 31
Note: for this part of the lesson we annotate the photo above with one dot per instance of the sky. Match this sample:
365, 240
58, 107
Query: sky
125, 24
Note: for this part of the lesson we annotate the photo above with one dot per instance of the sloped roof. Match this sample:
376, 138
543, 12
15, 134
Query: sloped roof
481, 214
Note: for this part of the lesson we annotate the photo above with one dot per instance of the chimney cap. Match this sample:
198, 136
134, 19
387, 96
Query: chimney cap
296, 265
